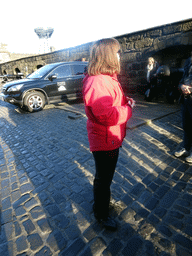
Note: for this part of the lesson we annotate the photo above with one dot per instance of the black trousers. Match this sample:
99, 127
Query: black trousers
187, 122
105, 164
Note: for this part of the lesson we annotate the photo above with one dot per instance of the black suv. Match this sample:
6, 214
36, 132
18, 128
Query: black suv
50, 84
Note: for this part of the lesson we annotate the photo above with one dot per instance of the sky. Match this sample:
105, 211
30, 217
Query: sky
76, 22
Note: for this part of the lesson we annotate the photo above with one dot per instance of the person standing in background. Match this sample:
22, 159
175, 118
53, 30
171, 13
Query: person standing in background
185, 87
152, 67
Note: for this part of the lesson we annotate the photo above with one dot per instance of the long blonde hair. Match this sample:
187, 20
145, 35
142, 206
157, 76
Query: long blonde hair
103, 57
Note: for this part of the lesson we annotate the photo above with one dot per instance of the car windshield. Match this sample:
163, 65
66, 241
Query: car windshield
40, 72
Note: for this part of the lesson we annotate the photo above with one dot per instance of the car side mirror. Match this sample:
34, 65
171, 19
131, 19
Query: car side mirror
52, 77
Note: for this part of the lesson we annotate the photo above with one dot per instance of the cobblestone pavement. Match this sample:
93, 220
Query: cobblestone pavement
47, 174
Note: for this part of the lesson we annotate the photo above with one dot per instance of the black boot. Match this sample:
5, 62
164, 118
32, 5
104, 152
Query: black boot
107, 222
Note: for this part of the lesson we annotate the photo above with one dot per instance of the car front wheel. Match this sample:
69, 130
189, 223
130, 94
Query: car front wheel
34, 101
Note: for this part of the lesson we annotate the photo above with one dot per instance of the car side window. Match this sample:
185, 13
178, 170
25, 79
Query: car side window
78, 69
62, 71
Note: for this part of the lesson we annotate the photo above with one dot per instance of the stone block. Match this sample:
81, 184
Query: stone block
176, 214
72, 232
45, 251
44, 225
169, 199
151, 203
92, 231
188, 230
153, 219
113, 248
145, 230
181, 251
77, 198
143, 213
26, 188
14, 186
17, 228
29, 226
53, 210
58, 197
13, 179
96, 247
178, 224
21, 201
37, 212
4, 183
61, 221
20, 211
133, 245
74, 248
21, 244
23, 180
127, 215
153, 186
6, 248
160, 212
137, 189
144, 197
162, 191
56, 241
6, 203
35, 241
8, 228
31, 204
40, 188
180, 186
165, 230
183, 241
88, 207
182, 209
6, 216
32, 174
4, 175
125, 232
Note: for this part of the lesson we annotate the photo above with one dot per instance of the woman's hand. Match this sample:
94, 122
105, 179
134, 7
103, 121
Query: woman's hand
185, 89
131, 102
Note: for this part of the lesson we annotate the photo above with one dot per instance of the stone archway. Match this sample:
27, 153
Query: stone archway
39, 66
17, 70
173, 56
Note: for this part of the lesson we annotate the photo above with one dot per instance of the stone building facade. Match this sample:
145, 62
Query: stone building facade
169, 44
6, 56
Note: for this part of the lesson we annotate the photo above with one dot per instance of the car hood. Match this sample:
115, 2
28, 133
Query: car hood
16, 82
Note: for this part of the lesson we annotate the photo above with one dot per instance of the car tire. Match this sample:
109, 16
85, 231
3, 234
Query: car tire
34, 101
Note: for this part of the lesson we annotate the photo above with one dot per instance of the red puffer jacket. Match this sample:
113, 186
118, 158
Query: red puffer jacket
107, 111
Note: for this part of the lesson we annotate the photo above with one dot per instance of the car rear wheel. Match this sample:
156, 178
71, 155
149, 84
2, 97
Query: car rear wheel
34, 101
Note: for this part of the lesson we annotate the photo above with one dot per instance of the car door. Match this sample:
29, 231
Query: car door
78, 71
61, 85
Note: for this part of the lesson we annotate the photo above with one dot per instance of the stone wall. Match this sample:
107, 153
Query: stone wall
169, 44
6, 56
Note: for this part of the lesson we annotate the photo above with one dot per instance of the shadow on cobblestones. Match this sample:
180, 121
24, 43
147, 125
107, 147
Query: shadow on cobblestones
47, 174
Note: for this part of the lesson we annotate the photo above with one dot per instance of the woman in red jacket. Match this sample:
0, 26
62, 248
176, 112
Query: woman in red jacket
108, 111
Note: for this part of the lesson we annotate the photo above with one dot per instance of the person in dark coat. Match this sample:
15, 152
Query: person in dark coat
185, 87
151, 78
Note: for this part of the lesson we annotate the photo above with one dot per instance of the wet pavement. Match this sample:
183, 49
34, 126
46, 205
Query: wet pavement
47, 173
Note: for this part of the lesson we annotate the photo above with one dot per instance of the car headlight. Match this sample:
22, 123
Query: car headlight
15, 88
